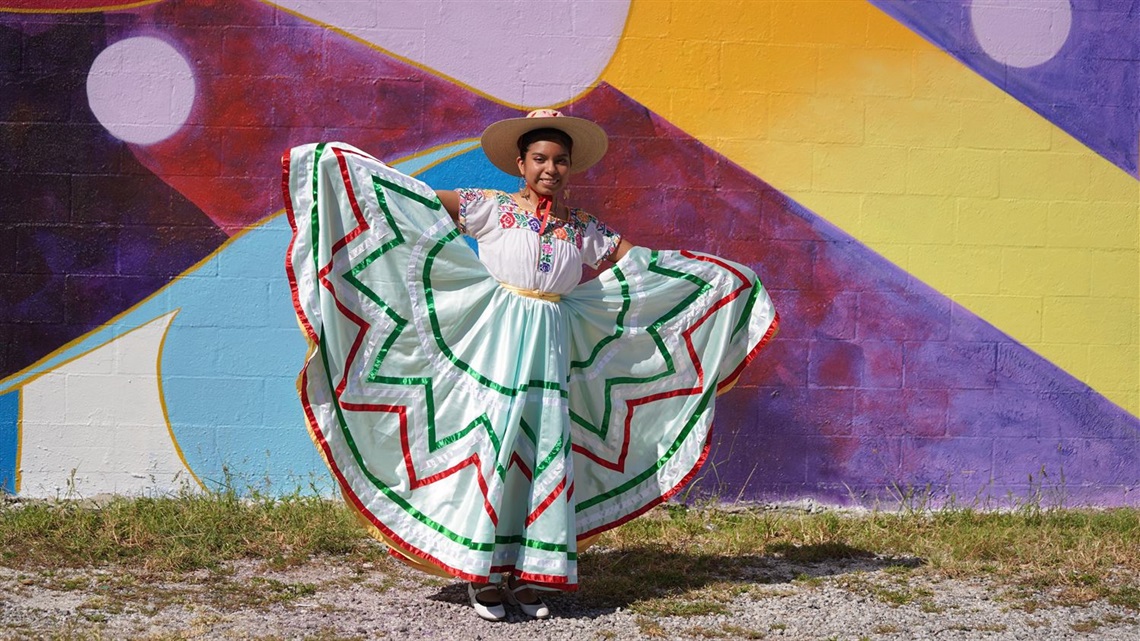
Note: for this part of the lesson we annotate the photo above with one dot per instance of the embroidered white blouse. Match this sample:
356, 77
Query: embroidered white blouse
514, 251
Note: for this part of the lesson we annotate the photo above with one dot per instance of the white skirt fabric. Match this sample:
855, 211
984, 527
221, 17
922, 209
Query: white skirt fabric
479, 432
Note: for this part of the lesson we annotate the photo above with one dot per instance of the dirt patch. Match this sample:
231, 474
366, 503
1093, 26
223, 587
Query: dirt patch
327, 599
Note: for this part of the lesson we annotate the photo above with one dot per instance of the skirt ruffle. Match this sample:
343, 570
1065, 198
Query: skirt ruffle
479, 432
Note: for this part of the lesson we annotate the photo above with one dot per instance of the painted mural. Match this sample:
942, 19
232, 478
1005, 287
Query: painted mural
148, 339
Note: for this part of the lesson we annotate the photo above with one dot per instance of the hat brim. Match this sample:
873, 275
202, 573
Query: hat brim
500, 141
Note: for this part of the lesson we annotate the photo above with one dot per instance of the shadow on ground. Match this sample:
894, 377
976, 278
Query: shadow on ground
648, 578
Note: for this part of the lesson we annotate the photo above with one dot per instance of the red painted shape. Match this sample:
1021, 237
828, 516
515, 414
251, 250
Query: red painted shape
281, 83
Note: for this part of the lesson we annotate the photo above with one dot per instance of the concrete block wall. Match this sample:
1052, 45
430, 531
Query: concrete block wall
942, 197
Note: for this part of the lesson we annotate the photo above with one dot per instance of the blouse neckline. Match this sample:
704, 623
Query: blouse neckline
571, 215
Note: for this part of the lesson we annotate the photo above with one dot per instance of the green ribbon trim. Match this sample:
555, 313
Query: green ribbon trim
619, 323
437, 334
314, 222
654, 332
746, 313
706, 398
352, 277
538, 545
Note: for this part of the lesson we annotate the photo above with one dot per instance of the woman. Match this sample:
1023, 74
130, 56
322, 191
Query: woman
488, 416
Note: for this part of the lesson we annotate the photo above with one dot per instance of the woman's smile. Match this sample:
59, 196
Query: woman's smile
546, 167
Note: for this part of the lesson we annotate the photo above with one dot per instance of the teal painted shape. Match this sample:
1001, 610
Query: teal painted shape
9, 439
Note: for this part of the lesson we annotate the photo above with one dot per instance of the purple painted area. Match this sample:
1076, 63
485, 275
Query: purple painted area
92, 225
1091, 88
877, 385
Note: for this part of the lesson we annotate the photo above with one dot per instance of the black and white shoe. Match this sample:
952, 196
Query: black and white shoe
535, 609
486, 611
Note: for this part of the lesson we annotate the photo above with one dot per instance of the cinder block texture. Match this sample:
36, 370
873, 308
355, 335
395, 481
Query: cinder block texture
951, 239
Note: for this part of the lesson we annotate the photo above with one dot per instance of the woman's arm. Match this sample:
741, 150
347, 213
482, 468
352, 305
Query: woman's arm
620, 251
450, 201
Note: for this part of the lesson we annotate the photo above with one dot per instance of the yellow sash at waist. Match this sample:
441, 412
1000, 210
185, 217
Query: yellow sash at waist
532, 293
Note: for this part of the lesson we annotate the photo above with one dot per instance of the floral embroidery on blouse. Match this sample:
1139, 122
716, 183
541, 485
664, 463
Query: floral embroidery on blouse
466, 197
513, 216
613, 239
546, 256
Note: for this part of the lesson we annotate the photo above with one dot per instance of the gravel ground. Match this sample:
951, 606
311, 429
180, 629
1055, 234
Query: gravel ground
857, 599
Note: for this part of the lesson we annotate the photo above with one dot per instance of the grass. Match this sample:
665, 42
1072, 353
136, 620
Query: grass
679, 607
179, 534
696, 554
674, 561
1071, 545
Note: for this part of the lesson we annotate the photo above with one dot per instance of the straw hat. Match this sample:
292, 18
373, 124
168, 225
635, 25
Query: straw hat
500, 140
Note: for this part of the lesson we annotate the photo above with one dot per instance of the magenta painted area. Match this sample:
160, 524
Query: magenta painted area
267, 80
1091, 88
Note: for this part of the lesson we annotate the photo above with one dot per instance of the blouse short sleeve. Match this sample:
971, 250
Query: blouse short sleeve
476, 209
598, 240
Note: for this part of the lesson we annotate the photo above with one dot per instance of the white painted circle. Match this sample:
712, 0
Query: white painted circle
527, 53
140, 89
1021, 33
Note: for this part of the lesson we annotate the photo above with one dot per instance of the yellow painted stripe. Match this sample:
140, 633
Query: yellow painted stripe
120, 6
915, 155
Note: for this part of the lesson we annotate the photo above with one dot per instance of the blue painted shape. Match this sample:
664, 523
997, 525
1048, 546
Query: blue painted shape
221, 408
471, 169
9, 439
239, 422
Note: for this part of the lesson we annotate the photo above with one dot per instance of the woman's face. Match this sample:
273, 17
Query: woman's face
545, 167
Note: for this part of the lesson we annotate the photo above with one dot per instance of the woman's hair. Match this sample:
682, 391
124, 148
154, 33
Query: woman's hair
547, 133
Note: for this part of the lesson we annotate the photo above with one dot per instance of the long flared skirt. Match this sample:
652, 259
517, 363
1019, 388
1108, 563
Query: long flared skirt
478, 432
